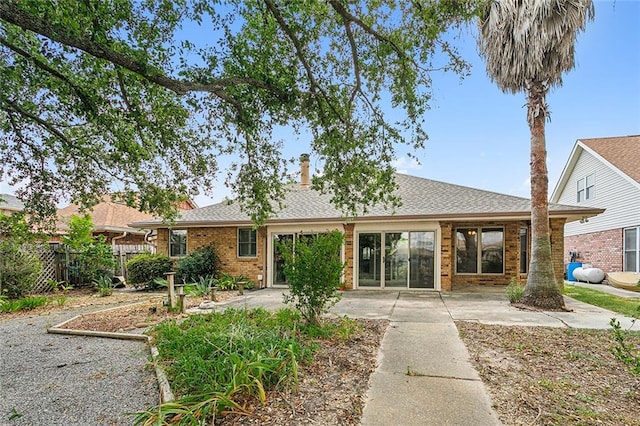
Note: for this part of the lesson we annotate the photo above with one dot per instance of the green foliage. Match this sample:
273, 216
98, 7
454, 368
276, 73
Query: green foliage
145, 268
95, 258
200, 288
23, 304
313, 270
215, 361
19, 270
229, 282
514, 291
104, 285
19, 266
129, 100
624, 350
203, 262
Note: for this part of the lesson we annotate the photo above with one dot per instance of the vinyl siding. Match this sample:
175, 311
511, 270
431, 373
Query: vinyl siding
617, 195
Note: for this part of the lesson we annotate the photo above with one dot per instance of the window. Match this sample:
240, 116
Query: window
586, 188
177, 242
480, 249
524, 250
632, 249
247, 242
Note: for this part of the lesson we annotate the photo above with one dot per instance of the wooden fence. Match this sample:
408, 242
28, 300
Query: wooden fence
62, 265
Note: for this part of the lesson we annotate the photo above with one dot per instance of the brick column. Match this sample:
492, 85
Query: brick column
348, 255
557, 249
446, 251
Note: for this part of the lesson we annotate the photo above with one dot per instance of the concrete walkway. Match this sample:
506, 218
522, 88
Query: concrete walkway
424, 375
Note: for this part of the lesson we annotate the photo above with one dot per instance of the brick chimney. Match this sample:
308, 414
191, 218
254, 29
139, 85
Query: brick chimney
305, 182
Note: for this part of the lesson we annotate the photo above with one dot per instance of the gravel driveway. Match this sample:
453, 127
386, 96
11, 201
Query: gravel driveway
49, 379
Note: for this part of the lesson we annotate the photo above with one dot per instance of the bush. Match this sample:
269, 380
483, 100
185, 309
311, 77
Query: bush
19, 270
203, 262
514, 291
94, 256
313, 270
144, 269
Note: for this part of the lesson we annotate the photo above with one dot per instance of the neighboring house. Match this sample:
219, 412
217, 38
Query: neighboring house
10, 204
442, 236
604, 172
111, 218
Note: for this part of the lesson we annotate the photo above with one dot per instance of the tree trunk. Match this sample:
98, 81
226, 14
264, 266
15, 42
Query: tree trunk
541, 290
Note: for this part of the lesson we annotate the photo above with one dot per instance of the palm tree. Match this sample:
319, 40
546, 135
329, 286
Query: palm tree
527, 45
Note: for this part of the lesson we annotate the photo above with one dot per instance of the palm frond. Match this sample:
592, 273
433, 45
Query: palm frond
526, 41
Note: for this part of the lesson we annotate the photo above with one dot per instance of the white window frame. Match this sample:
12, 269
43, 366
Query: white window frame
586, 188
637, 249
254, 233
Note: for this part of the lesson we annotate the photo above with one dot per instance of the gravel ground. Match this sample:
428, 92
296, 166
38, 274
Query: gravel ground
49, 379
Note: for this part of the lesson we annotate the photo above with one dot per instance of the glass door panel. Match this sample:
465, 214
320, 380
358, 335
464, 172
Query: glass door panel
421, 255
369, 260
396, 260
278, 261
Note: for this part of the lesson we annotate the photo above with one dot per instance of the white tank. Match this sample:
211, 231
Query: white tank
590, 275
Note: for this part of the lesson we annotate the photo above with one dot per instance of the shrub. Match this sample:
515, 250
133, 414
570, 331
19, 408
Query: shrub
95, 258
19, 270
144, 269
104, 285
203, 262
313, 270
19, 267
514, 291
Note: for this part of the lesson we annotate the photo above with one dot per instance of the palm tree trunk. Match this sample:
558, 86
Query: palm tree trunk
541, 289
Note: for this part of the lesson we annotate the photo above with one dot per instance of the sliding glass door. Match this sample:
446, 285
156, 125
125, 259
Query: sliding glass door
408, 260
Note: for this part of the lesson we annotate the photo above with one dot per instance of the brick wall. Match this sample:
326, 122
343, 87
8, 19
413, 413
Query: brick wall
224, 240
511, 253
557, 249
601, 249
446, 256
348, 254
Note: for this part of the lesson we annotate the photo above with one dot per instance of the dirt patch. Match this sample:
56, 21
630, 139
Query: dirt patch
331, 390
545, 376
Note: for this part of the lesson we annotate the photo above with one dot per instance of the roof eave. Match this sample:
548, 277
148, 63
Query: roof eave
570, 214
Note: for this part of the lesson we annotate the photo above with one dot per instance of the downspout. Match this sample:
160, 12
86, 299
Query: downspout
148, 235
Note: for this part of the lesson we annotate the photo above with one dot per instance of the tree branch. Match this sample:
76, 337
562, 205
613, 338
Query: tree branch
9, 12
45, 67
300, 54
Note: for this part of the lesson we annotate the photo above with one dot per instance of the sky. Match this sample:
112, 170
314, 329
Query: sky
478, 135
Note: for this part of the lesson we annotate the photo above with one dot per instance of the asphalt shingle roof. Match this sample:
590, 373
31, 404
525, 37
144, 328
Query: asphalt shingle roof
421, 198
106, 215
10, 202
623, 152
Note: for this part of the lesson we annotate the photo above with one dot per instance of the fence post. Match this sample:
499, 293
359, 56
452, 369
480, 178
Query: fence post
172, 289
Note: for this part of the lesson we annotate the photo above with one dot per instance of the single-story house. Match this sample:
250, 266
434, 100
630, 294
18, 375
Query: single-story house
111, 218
604, 172
442, 236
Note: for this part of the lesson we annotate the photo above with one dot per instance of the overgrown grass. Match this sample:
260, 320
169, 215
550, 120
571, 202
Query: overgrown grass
628, 307
218, 361
24, 304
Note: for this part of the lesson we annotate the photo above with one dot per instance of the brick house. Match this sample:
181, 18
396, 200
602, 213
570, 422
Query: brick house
442, 236
604, 172
111, 218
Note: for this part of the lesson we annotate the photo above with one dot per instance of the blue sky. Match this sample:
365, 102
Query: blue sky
478, 136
